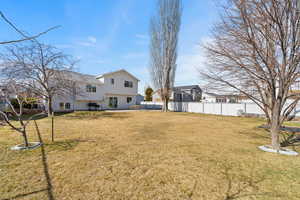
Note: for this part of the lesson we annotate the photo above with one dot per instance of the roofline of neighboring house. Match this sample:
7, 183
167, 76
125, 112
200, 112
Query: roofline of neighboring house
114, 72
187, 87
181, 87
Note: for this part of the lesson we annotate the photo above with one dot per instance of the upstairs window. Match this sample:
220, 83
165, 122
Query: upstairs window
90, 88
112, 81
128, 84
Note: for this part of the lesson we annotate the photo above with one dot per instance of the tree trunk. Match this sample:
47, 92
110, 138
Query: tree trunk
50, 107
165, 104
24, 134
275, 128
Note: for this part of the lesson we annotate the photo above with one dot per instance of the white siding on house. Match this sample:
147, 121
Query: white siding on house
104, 90
118, 86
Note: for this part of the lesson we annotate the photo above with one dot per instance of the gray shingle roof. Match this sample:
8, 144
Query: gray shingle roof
187, 87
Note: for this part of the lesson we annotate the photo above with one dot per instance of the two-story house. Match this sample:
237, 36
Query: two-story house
3, 104
114, 90
187, 93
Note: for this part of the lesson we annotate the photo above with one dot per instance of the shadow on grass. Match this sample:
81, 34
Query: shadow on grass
26, 117
45, 166
96, 115
147, 133
241, 185
62, 145
256, 133
49, 187
19, 196
237, 182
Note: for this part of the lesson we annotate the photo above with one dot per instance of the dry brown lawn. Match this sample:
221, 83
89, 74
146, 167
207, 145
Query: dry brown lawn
146, 155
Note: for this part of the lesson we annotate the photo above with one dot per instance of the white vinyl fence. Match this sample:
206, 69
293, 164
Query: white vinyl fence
230, 109
151, 105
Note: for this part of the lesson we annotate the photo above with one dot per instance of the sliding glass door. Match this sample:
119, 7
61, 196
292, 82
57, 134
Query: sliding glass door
113, 102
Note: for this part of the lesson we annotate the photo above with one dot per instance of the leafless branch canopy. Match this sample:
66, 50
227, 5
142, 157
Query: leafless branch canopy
38, 67
164, 30
255, 50
12, 90
25, 37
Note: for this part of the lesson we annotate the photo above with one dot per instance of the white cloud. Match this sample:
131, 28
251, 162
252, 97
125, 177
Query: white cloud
142, 39
189, 65
64, 46
134, 55
99, 61
78, 57
88, 42
92, 39
141, 36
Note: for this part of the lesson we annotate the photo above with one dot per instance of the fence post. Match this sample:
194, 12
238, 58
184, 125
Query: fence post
203, 107
221, 108
52, 127
245, 107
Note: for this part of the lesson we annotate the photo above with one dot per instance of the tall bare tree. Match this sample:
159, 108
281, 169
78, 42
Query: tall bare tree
255, 51
40, 68
164, 31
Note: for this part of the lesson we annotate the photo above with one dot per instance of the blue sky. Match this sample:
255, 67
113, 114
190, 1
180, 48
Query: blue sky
108, 35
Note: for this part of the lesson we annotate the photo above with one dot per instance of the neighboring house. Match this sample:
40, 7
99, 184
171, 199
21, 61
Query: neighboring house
188, 93
139, 98
114, 90
219, 98
3, 103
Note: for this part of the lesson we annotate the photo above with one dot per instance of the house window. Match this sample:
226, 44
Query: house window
112, 81
128, 84
90, 88
113, 102
221, 100
61, 105
68, 106
178, 97
232, 100
129, 99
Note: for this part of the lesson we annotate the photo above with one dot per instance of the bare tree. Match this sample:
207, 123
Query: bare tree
41, 68
255, 51
164, 31
24, 36
12, 90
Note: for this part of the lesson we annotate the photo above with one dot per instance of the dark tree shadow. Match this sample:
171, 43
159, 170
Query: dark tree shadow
27, 116
25, 195
49, 188
97, 115
45, 165
290, 136
238, 185
256, 133
62, 145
